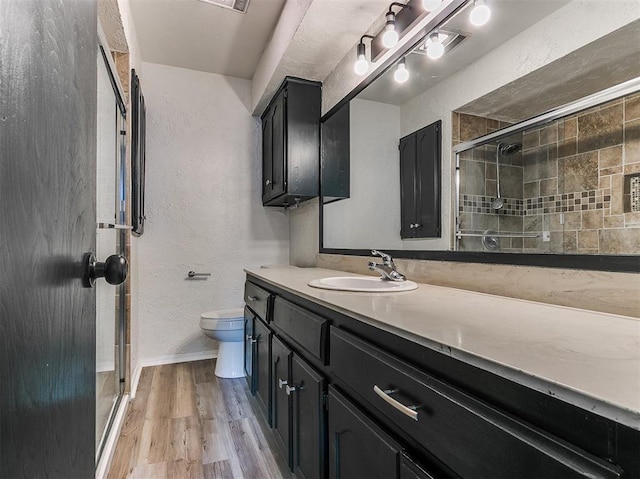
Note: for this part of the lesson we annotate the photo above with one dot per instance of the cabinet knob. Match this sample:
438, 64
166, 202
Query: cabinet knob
282, 383
268, 182
417, 225
411, 226
291, 389
251, 339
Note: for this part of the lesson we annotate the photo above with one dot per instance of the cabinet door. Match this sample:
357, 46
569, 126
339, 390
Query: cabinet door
410, 470
249, 349
357, 447
428, 146
281, 400
279, 145
308, 420
408, 186
267, 156
261, 369
336, 151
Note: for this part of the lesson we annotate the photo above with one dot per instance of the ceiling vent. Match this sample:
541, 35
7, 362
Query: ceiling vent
235, 5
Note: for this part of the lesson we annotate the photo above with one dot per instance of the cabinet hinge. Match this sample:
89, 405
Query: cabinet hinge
286, 93
123, 132
325, 401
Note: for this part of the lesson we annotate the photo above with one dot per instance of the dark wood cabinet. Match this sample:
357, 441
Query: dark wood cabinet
308, 420
335, 156
249, 349
281, 397
357, 447
291, 143
261, 366
420, 160
395, 408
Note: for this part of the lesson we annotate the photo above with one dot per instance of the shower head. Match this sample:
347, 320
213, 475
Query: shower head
506, 149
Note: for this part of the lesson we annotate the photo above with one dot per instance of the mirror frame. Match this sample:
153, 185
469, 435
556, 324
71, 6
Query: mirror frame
613, 263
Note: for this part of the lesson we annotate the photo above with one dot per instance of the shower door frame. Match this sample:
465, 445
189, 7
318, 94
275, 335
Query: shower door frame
623, 89
121, 227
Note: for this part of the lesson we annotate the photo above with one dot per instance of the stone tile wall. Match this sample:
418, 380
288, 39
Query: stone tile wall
576, 181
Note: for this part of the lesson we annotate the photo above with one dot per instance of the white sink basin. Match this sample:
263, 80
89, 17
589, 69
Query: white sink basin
362, 284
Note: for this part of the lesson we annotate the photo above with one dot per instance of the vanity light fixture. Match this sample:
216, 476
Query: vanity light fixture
431, 5
480, 14
402, 74
435, 47
361, 65
390, 37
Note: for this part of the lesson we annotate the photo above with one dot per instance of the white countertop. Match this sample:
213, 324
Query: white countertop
586, 358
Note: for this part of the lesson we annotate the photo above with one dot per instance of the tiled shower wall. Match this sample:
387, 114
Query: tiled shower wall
577, 182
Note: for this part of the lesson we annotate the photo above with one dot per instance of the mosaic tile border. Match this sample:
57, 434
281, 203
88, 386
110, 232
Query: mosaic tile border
578, 201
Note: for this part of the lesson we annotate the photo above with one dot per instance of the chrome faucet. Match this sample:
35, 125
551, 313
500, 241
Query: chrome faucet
387, 269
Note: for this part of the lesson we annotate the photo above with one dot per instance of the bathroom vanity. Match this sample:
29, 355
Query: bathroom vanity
439, 382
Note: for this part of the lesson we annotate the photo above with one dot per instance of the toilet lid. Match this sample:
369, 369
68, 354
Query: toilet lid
233, 313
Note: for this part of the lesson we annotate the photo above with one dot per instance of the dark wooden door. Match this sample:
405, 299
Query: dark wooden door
267, 155
408, 186
261, 369
281, 400
357, 447
48, 103
309, 433
249, 349
279, 145
428, 155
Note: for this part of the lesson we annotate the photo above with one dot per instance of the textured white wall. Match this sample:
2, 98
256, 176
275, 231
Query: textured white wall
371, 216
203, 207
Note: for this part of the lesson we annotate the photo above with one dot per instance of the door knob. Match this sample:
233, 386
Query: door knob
113, 270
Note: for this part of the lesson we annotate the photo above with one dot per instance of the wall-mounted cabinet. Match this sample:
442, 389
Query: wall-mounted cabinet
336, 153
420, 158
291, 143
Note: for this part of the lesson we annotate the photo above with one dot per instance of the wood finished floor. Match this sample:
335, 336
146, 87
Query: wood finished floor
186, 423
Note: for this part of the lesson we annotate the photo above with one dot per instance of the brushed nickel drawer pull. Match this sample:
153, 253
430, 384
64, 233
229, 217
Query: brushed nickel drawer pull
410, 411
252, 298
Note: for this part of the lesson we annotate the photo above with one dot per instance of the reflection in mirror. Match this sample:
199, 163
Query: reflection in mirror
478, 76
565, 187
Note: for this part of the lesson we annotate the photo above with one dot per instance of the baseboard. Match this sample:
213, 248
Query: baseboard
169, 359
102, 468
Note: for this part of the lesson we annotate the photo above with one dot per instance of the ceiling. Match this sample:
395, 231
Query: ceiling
508, 19
201, 36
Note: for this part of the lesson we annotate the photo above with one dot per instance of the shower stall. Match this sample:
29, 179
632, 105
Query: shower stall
562, 182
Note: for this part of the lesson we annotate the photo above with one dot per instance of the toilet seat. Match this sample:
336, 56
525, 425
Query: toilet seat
225, 319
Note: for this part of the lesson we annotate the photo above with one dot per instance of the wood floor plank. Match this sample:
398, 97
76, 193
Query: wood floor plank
150, 471
235, 399
218, 470
185, 423
186, 439
184, 470
216, 441
185, 404
163, 392
203, 371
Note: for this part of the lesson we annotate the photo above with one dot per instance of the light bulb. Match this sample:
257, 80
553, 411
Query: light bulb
390, 36
435, 48
480, 14
362, 65
431, 5
402, 74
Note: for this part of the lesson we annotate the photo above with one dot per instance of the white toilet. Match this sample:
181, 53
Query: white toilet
226, 326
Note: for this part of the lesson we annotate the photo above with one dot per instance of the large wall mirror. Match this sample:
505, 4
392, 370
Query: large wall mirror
474, 91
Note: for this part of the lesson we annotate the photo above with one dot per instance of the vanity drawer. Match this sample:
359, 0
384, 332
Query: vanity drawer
304, 327
257, 299
470, 437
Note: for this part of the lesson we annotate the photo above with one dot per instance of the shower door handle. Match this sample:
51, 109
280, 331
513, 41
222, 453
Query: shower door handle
114, 270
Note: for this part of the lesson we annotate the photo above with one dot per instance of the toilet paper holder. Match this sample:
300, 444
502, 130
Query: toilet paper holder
193, 275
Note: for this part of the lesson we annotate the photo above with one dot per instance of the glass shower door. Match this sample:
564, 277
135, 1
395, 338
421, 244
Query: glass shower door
109, 241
